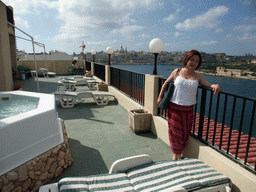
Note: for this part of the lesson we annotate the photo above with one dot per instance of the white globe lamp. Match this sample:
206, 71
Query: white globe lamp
93, 52
156, 46
109, 51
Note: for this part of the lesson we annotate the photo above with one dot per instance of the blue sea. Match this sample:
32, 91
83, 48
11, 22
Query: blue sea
241, 87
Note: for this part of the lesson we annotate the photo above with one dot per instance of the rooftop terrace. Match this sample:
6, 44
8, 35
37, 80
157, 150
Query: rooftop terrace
94, 150
99, 135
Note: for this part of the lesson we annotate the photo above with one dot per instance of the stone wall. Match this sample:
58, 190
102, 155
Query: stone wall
40, 170
60, 67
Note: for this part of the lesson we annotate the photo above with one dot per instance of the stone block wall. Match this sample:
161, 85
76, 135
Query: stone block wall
60, 67
38, 171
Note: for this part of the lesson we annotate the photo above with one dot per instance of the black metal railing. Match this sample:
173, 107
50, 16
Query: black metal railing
227, 123
99, 71
88, 66
130, 83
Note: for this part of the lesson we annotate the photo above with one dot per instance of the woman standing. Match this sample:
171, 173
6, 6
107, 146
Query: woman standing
180, 113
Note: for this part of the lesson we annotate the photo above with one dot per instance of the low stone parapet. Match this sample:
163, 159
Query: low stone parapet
40, 170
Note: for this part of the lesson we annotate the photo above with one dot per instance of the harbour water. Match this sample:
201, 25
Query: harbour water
243, 87
234, 86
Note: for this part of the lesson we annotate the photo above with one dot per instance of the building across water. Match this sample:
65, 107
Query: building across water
222, 71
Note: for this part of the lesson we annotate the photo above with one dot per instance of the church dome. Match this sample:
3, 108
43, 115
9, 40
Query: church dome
121, 49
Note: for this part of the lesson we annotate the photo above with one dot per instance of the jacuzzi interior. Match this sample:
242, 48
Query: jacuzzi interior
11, 104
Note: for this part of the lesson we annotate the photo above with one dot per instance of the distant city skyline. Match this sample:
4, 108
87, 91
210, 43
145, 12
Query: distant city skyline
129, 51
122, 56
209, 26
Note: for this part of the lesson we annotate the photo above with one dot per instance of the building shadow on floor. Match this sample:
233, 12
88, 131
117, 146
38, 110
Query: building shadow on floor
80, 110
87, 161
148, 134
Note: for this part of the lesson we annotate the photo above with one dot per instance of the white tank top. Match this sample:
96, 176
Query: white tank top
185, 91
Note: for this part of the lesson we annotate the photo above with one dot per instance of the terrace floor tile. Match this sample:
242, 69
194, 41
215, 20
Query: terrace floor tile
99, 135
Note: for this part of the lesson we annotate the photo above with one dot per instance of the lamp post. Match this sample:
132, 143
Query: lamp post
109, 51
156, 46
93, 52
85, 55
84, 52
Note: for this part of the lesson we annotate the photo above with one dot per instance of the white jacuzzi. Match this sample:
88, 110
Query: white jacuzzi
28, 134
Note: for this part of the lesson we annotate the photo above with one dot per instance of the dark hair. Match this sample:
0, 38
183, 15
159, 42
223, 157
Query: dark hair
191, 54
73, 62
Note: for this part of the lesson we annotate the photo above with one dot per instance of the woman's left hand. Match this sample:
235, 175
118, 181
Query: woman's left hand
215, 88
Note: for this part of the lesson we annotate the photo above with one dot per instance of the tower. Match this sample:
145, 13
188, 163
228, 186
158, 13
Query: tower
83, 46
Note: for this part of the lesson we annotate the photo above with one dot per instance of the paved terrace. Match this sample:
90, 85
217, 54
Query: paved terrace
99, 135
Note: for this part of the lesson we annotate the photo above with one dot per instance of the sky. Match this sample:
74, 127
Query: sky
211, 26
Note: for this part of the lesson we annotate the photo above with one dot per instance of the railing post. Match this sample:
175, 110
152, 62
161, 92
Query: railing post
202, 112
92, 68
107, 74
151, 93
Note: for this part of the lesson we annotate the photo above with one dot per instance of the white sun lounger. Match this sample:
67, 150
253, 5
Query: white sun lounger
42, 71
79, 81
70, 85
140, 173
76, 77
68, 98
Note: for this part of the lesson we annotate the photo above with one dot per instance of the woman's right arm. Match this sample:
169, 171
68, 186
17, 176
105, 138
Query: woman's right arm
170, 79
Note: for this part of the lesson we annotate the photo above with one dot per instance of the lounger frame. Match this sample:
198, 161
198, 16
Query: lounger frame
42, 71
68, 99
72, 85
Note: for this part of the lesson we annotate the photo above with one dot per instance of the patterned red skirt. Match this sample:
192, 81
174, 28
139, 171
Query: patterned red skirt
180, 119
